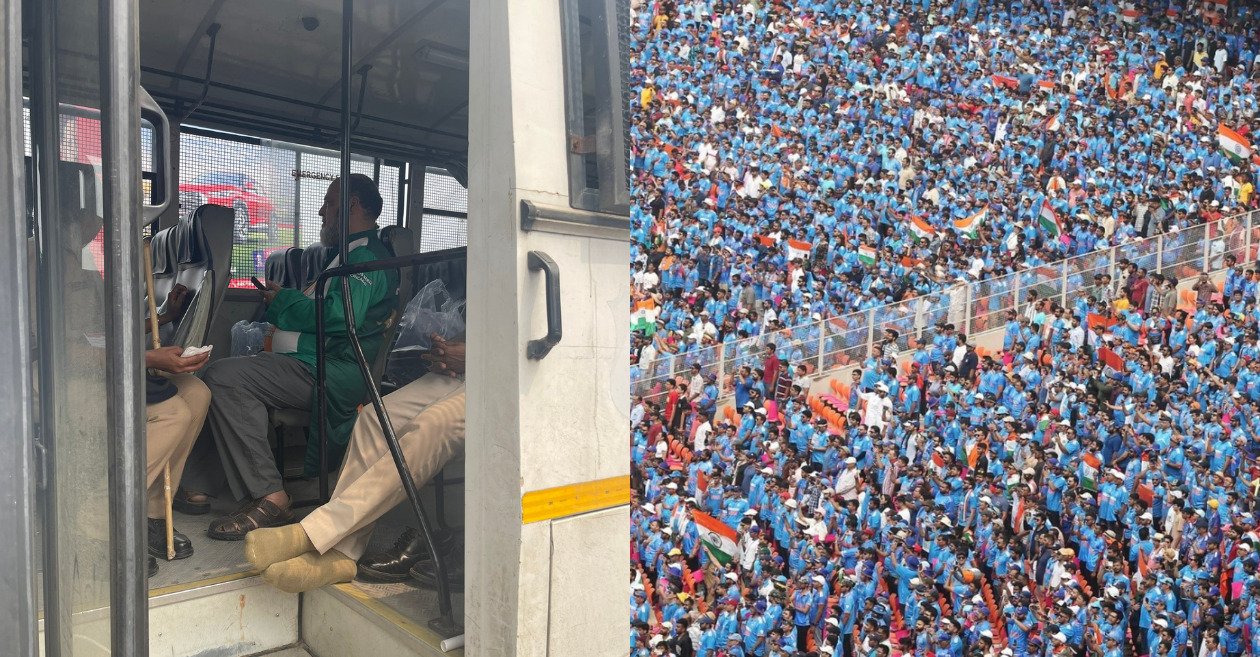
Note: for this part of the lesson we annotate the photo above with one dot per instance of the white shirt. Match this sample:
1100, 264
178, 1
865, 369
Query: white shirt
875, 407
702, 436
846, 483
959, 352
748, 547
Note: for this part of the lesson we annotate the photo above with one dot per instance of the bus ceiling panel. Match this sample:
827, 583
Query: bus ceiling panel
417, 52
375, 136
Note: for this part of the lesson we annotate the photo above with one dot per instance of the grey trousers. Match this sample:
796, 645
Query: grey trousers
242, 391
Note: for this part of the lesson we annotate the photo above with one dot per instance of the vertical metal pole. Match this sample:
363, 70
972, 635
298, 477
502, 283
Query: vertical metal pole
17, 470
822, 346
1015, 291
297, 199
50, 317
1063, 286
870, 332
445, 623
1247, 238
1207, 248
416, 172
968, 313
120, 167
1159, 254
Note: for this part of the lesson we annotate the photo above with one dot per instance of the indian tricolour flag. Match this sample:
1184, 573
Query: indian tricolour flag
922, 228
1049, 220
643, 318
1004, 81
1090, 466
718, 538
866, 253
1233, 144
1129, 13
1052, 124
970, 226
798, 249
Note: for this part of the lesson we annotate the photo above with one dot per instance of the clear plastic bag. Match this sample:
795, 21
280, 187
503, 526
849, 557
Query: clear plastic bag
430, 312
248, 337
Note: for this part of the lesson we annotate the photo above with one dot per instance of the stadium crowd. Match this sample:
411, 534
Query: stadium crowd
798, 162
1089, 488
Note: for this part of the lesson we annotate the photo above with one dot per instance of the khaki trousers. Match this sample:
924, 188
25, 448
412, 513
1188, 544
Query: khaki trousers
428, 418
173, 427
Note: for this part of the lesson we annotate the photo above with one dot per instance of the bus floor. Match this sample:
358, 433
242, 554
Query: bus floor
215, 561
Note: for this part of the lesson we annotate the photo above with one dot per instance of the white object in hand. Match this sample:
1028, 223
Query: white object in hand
196, 351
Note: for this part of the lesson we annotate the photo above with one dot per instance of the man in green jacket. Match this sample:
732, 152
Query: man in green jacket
245, 388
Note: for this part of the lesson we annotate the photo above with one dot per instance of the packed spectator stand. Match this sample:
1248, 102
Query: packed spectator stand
1088, 484
794, 165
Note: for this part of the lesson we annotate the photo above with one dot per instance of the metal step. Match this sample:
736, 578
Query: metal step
352, 620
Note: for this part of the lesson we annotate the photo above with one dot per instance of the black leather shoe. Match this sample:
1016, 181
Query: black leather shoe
424, 573
394, 564
152, 566
157, 541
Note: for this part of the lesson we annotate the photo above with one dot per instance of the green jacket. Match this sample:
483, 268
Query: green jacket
292, 312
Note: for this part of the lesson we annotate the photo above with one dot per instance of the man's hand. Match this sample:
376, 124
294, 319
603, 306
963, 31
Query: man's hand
445, 357
168, 359
269, 293
174, 303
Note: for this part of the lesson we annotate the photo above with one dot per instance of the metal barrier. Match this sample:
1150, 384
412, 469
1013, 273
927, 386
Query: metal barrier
971, 307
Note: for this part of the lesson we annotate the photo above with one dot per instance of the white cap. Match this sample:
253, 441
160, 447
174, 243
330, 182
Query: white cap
790, 503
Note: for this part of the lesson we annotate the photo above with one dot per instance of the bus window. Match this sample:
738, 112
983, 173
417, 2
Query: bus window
274, 188
598, 178
445, 219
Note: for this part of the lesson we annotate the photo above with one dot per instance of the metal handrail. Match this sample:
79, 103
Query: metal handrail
855, 334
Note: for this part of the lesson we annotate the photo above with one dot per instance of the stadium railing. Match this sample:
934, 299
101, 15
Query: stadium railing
972, 308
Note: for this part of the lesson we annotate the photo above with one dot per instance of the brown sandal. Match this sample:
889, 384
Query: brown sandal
253, 515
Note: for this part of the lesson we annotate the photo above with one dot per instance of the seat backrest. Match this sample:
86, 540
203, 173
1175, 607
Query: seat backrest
401, 242
315, 259
196, 252
284, 266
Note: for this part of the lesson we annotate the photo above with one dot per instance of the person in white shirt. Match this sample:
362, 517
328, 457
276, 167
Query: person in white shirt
878, 407
702, 434
1076, 335
848, 480
959, 353
749, 545
1059, 573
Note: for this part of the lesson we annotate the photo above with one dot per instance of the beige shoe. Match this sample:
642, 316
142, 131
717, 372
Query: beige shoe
310, 571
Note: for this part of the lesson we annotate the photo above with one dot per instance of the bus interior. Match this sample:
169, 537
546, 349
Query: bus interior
244, 121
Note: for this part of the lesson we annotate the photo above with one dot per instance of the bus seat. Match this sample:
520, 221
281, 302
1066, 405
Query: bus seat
196, 252
284, 266
315, 259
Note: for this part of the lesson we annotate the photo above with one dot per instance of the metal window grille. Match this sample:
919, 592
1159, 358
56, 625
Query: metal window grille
275, 190
445, 221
